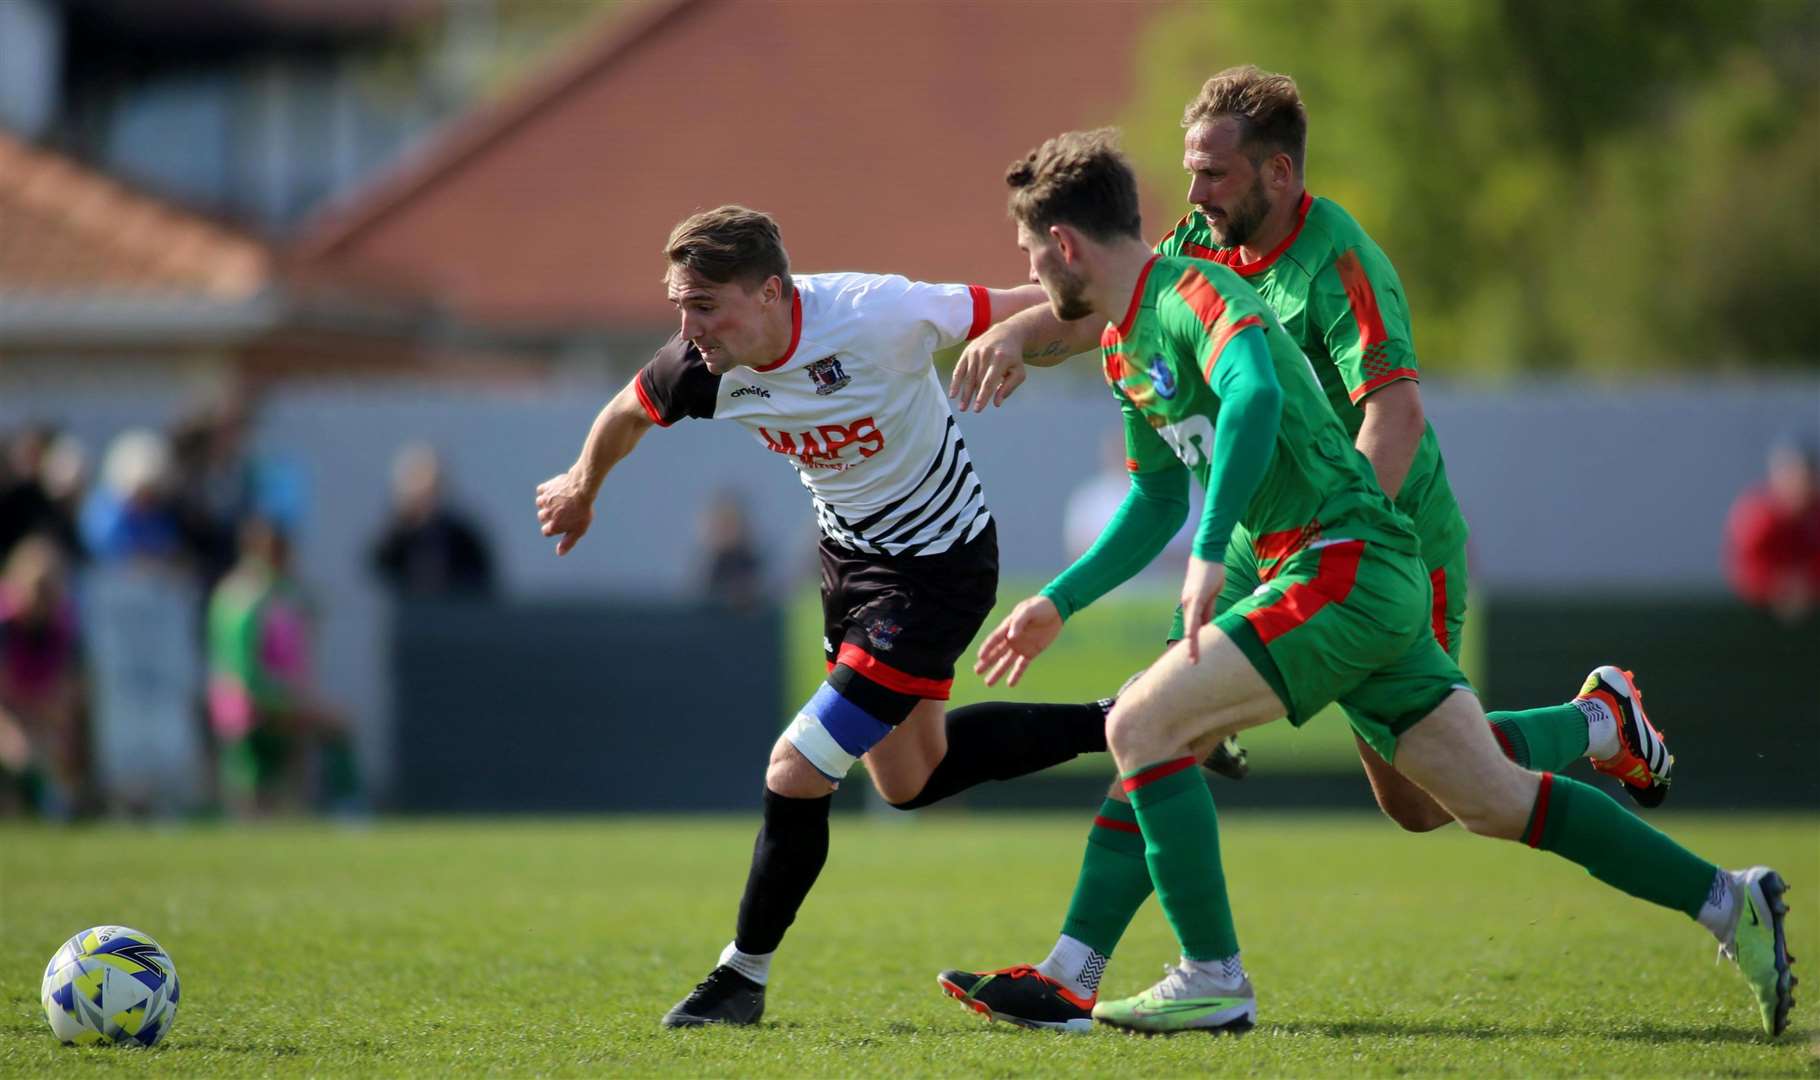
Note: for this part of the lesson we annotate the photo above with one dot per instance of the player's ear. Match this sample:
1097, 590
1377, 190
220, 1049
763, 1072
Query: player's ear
772, 290
1282, 170
1067, 241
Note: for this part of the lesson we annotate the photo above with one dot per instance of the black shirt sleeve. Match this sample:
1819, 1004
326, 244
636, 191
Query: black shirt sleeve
676, 383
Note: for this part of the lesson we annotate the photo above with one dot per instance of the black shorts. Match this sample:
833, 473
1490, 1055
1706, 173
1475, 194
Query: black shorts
902, 620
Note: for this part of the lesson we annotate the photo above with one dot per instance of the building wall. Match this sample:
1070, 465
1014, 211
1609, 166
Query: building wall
1568, 486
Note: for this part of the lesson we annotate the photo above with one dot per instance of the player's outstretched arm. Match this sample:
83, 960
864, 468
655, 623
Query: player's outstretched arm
991, 367
565, 502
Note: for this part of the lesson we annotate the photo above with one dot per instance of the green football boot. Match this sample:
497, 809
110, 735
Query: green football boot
1758, 945
1185, 1000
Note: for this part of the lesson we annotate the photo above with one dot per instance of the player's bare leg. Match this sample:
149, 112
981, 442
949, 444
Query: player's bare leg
1401, 799
1452, 754
900, 765
1159, 731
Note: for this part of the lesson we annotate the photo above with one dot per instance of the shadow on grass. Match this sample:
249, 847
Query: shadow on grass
1647, 1033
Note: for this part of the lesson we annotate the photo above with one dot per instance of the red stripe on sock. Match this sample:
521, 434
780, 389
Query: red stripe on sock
1503, 741
1539, 817
1155, 773
1116, 825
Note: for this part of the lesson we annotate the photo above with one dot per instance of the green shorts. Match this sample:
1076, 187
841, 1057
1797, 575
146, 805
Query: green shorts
1349, 622
1448, 609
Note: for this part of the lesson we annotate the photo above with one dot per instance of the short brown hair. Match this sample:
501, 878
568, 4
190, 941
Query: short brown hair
730, 243
1077, 179
1267, 105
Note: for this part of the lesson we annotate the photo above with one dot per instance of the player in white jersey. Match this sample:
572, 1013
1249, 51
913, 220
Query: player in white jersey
834, 372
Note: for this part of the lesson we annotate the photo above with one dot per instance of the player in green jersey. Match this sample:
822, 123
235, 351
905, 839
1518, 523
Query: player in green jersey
1211, 386
1338, 297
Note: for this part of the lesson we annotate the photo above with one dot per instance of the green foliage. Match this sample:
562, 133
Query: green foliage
1605, 186
551, 948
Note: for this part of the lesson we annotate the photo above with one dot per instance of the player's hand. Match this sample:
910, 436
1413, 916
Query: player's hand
565, 508
1031, 627
1199, 591
990, 368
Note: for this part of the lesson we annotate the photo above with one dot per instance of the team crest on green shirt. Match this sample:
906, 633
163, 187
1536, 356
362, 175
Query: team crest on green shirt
1162, 377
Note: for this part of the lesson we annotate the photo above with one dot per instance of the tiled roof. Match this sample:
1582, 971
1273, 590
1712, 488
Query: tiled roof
877, 134
65, 228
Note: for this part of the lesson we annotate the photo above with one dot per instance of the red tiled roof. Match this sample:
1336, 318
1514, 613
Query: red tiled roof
877, 134
65, 228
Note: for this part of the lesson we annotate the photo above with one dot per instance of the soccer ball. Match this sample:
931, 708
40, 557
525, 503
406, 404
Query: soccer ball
110, 984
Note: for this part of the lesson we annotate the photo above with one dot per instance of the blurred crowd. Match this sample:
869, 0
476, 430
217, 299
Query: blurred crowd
156, 642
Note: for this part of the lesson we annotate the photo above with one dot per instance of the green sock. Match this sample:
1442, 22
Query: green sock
1182, 846
1583, 825
1546, 740
1114, 881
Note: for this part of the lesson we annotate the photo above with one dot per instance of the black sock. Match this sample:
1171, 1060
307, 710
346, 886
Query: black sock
791, 848
1003, 740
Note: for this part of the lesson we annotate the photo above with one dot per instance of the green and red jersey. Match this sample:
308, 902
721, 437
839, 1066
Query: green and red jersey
1337, 296
1163, 361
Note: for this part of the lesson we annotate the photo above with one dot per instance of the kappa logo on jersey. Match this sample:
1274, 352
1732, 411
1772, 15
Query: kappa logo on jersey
825, 452
827, 375
1162, 378
751, 391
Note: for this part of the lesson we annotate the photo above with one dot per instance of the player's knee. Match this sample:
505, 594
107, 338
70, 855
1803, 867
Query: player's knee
1416, 817
848, 715
793, 776
1128, 736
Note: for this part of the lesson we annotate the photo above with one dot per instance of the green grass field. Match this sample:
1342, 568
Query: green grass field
552, 947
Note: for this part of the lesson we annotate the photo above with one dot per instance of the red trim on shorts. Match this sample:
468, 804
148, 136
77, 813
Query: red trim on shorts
1539, 817
1503, 741
1117, 826
638, 387
891, 678
1131, 465
1332, 583
1276, 547
982, 311
1154, 773
1437, 579
796, 331
1137, 295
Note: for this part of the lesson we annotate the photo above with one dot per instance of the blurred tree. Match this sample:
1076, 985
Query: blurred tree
1608, 185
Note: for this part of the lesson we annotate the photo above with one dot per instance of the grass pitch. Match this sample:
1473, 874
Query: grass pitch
552, 947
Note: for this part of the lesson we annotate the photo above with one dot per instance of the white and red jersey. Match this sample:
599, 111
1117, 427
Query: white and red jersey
856, 406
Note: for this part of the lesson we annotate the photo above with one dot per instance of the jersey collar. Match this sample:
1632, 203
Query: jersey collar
1230, 256
1137, 297
796, 331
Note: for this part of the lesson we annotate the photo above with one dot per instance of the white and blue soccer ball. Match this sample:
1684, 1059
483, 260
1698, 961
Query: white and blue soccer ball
110, 984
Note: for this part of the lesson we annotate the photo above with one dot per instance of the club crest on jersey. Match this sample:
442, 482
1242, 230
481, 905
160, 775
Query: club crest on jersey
827, 375
1162, 378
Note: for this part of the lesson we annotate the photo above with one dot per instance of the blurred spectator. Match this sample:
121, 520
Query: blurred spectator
278, 743
1091, 505
42, 751
1772, 536
130, 515
429, 548
734, 575
212, 482
34, 459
